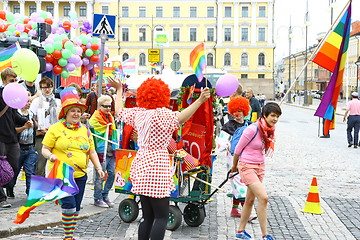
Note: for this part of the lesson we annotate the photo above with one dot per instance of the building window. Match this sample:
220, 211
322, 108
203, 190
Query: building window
66, 11
261, 75
125, 11
210, 59
316, 73
142, 34
210, 34
82, 10
125, 56
262, 11
32, 9
261, 59
176, 12
159, 12
192, 34
227, 59
210, 12
244, 34
228, 12
105, 9
193, 12
245, 12
142, 11
244, 76
261, 34
50, 9
176, 56
142, 59
16, 8
244, 59
125, 34
176, 34
227, 34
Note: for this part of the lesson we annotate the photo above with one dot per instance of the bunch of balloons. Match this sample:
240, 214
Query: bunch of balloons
87, 27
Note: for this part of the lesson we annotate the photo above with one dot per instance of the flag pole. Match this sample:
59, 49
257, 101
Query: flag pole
206, 85
315, 51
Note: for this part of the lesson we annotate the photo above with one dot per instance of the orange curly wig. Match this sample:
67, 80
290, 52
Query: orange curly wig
153, 93
239, 104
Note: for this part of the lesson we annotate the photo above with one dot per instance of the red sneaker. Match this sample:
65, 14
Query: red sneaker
235, 212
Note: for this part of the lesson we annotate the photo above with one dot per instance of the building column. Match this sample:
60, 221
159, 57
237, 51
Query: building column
253, 23
89, 11
236, 23
219, 37
38, 6
72, 9
270, 23
6, 5
22, 7
56, 10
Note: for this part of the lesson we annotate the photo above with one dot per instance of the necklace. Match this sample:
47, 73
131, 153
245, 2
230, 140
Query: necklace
70, 125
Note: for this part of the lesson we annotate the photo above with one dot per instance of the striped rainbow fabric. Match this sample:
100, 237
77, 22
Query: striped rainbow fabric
332, 56
60, 183
5, 56
198, 61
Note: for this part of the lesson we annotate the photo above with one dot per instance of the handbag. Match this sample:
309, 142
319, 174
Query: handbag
6, 171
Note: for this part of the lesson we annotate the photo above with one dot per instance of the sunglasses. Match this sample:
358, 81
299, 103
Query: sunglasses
106, 106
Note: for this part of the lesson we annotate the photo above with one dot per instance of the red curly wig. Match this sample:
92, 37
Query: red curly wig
239, 104
153, 93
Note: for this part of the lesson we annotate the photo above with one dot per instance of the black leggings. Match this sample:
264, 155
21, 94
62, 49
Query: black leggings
155, 218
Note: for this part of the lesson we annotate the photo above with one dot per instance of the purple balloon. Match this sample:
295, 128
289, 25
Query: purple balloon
78, 42
78, 64
88, 45
85, 61
48, 67
15, 95
70, 67
89, 66
53, 29
226, 85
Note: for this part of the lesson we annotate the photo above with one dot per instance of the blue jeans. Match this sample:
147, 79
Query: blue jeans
28, 159
108, 167
72, 204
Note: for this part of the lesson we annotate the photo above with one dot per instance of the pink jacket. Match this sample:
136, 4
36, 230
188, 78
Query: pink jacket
253, 152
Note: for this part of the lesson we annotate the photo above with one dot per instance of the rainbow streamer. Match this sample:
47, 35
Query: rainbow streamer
60, 183
6, 55
198, 61
332, 56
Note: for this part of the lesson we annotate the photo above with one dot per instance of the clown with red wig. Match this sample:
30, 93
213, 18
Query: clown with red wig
150, 170
238, 107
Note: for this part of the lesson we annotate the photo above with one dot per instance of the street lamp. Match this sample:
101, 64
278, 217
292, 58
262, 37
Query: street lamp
307, 23
357, 74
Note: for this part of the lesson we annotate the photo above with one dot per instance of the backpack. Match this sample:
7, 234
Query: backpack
237, 135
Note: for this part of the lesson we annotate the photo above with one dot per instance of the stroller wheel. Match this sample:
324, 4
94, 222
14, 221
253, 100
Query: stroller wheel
194, 214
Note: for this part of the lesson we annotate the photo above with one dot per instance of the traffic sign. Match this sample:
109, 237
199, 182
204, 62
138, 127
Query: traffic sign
154, 55
175, 65
104, 24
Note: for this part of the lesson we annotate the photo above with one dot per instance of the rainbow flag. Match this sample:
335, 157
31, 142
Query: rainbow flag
198, 61
153, 67
332, 56
129, 66
60, 183
6, 55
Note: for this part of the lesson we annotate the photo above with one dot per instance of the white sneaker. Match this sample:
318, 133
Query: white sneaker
100, 203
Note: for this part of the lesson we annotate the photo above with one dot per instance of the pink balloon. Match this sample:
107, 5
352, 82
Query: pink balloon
15, 95
78, 64
226, 85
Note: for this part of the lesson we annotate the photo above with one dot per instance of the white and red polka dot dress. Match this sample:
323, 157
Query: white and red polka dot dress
150, 171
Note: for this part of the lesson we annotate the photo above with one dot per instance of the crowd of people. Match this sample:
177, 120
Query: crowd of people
72, 129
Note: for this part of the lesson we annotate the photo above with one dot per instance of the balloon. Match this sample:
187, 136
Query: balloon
85, 61
62, 62
43, 14
57, 69
66, 53
26, 20
226, 85
70, 67
94, 46
3, 15
48, 67
65, 73
49, 48
26, 64
69, 45
49, 21
74, 24
20, 27
57, 45
15, 95
10, 16
40, 20
27, 28
49, 58
72, 15
89, 52
3, 27
94, 58
66, 25
57, 54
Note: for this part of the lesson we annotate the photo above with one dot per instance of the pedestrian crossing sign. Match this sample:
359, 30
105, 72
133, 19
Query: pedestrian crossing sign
104, 24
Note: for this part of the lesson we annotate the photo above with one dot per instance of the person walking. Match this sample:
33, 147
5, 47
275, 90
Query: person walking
254, 104
150, 170
256, 143
102, 123
70, 141
353, 120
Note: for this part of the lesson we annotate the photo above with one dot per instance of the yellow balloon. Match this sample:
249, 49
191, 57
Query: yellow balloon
25, 64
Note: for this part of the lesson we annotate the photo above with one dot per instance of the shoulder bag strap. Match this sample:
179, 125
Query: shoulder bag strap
4, 110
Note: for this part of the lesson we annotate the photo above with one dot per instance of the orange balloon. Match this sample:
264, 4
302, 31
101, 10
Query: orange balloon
94, 46
94, 58
66, 25
3, 14
49, 58
26, 20
57, 69
49, 21
2, 27
57, 54
27, 28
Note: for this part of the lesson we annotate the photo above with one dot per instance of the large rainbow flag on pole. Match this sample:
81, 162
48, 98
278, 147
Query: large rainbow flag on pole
60, 183
198, 61
6, 55
332, 56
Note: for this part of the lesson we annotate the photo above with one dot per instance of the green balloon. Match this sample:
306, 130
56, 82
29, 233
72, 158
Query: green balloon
11, 28
97, 52
10, 16
65, 73
62, 62
43, 15
49, 48
66, 53
84, 39
69, 45
57, 38
34, 26
89, 52
94, 40
73, 50
57, 45
63, 36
